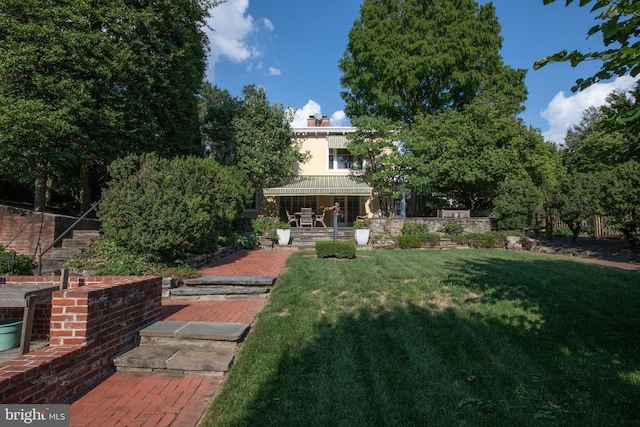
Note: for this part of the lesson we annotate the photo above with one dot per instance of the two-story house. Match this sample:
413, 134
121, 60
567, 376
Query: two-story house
329, 176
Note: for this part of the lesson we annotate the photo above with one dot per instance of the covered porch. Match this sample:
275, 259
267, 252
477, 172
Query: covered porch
317, 191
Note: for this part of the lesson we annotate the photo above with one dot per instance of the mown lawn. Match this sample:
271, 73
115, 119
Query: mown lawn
440, 338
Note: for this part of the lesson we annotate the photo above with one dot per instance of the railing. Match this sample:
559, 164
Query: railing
64, 233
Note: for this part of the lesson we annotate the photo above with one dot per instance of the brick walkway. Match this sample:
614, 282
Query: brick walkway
141, 400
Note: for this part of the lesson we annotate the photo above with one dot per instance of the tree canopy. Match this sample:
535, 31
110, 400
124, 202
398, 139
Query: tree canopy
470, 157
411, 57
250, 133
84, 82
619, 27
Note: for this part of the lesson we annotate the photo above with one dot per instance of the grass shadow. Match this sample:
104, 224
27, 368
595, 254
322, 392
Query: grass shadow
471, 338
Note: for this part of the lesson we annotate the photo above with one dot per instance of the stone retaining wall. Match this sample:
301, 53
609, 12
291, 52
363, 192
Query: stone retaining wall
393, 226
91, 322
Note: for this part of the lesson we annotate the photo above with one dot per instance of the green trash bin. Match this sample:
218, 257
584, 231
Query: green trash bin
10, 331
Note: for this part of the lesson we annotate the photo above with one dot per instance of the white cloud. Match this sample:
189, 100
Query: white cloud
231, 29
564, 112
268, 24
300, 118
338, 118
274, 71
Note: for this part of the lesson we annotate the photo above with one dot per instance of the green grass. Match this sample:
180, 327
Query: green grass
440, 338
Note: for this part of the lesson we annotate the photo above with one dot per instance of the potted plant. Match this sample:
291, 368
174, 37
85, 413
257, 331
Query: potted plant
361, 228
283, 231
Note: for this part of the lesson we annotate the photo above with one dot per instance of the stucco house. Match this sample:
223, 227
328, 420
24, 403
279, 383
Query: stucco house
329, 176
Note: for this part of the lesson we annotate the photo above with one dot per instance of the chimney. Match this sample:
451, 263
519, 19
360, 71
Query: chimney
318, 120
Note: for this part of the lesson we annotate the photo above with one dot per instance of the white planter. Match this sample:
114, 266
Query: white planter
362, 236
283, 236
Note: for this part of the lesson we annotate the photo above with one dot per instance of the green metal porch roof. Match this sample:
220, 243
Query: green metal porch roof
322, 185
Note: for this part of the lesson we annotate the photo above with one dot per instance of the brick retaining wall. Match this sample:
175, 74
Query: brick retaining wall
89, 325
23, 230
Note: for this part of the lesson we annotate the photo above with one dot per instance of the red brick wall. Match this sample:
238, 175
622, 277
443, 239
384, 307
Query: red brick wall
22, 230
89, 326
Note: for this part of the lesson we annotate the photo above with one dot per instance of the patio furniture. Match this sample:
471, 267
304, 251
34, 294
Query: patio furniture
306, 217
291, 219
320, 219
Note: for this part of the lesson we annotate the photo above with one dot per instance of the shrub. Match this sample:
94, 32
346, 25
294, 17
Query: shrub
170, 208
451, 229
480, 240
23, 266
335, 249
421, 231
265, 227
562, 232
409, 241
107, 258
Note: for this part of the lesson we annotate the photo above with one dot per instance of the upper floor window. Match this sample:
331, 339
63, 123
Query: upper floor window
341, 159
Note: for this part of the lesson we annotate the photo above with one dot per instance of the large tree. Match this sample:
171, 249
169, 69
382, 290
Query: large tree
411, 57
250, 133
83, 82
472, 157
376, 143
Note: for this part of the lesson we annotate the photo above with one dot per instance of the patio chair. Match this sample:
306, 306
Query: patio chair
291, 219
306, 217
320, 219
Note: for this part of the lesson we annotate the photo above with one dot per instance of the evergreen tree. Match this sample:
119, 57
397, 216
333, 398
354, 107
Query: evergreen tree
410, 57
84, 82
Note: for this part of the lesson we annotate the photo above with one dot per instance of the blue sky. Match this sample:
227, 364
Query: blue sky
292, 49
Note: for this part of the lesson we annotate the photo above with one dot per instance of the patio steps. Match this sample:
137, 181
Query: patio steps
221, 287
75, 243
305, 238
184, 348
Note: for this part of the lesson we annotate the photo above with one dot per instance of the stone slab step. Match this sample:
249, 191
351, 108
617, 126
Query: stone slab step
193, 291
230, 281
214, 331
174, 360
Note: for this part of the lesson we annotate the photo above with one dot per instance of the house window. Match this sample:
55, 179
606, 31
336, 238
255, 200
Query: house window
294, 203
252, 206
340, 158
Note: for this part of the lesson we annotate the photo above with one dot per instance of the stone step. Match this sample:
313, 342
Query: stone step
184, 348
197, 291
222, 286
65, 252
212, 331
174, 361
230, 281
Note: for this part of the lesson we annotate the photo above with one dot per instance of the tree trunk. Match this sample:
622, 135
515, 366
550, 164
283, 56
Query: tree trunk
85, 188
40, 189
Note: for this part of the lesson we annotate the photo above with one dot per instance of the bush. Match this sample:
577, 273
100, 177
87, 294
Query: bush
562, 232
265, 227
170, 208
336, 249
421, 232
409, 241
451, 229
481, 240
107, 258
24, 264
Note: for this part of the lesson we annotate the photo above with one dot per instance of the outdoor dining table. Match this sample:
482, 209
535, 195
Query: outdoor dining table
13, 295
